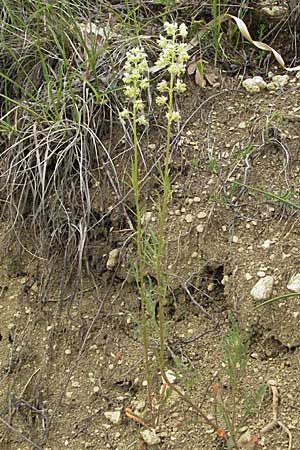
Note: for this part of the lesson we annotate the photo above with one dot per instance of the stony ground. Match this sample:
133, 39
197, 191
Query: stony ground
63, 370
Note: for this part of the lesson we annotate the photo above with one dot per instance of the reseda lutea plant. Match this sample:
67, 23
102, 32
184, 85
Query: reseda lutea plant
172, 59
136, 80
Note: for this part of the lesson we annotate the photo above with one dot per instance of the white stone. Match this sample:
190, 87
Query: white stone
235, 239
294, 283
263, 288
260, 82
275, 11
248, 276
225, 280
171, 376
261, 273
200, 228
242, 125
189, 218
202, 215
266, 244
150, 437
254, 85
272, 86
114, 417
113, 259
280, 80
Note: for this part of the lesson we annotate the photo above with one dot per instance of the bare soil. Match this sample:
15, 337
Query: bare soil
63, 366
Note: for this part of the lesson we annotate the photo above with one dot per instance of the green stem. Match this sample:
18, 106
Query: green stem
161, 283
140, 256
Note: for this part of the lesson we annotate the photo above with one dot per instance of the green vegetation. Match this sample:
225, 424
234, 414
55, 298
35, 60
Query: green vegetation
81, 86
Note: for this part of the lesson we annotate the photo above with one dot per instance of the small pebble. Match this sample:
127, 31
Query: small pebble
189, 218
261, 274
263, 288
200, 228
280, 80
171, 376
266, 244
114, 417
113, 259
150, 437
294, 283
225, 280
202, 215
235, 239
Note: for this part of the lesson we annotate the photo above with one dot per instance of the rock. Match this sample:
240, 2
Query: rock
202, 215
266, 244
139, 408
261, 273
150, 437
260, 82
254, 85
200, 228
225, 280
280, 80
275, 11
263, 288
294, 283
171, 376
272, 86
113, 259
114, 417
189, 218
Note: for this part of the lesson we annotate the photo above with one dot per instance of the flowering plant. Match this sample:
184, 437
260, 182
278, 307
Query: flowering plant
135, 81
173, 57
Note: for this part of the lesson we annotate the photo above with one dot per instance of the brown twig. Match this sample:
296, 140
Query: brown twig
20, 434
275, 406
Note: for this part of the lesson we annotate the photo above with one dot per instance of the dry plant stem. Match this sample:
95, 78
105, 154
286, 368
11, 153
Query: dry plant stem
190, 402
141, 267
26, 439
275, 406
